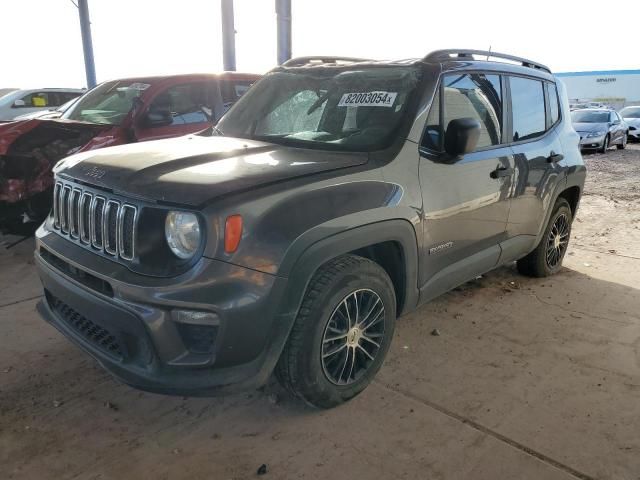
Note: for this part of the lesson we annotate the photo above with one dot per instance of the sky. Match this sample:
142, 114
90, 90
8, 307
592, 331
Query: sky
41, 43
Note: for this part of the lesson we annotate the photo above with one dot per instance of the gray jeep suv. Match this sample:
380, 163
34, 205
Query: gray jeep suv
335, 196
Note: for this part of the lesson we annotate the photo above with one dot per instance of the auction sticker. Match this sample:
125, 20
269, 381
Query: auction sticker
368, 99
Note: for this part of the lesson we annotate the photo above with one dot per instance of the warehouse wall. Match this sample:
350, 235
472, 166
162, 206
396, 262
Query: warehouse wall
614, 87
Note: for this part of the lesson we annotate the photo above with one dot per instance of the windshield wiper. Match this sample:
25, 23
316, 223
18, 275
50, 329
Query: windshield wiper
317, 103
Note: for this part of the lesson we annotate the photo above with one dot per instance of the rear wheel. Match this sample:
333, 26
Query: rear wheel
547, 258
342, 333
623, 144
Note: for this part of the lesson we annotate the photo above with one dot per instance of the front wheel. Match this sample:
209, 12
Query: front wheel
605, 145
623, 144
547, 258
342, 333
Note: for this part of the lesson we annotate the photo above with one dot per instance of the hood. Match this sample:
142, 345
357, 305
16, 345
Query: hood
633, 121
194, 169
591, 127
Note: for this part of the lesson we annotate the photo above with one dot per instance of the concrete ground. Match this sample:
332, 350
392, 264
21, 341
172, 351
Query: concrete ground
529, 379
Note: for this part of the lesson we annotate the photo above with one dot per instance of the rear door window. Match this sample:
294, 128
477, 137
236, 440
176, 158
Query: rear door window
528, 109
37, 100
64, 97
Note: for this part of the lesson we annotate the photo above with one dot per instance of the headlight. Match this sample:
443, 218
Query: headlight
182, 231
596, 134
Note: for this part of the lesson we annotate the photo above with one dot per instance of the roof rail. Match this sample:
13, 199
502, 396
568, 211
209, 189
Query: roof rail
300, 61
455, 54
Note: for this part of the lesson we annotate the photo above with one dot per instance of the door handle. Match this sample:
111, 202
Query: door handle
554, 157
501, 172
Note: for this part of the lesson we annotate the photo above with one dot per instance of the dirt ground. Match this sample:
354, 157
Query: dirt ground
529, 379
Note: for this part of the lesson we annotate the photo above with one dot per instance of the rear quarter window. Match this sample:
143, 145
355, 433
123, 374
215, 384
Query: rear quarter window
554, 104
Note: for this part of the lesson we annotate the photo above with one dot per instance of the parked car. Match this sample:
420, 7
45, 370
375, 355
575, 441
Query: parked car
21, 102
578, 106
631, 115
599, 129
113, 113
48, 114
336, 195
5, 91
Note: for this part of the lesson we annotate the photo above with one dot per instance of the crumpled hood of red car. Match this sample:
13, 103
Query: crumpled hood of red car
30, 148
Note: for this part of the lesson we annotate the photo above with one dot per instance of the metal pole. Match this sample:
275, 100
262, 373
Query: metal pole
228, 36
283, 12
87, 44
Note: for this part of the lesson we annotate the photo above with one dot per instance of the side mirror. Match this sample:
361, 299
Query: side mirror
462, 136
158, 118
19, 103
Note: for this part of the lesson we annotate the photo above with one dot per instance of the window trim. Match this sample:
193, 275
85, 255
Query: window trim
507, 110
553, 85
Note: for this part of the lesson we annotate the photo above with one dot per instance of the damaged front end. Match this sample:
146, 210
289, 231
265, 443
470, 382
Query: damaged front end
28, 152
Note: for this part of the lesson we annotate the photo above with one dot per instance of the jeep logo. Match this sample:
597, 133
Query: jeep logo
94, 172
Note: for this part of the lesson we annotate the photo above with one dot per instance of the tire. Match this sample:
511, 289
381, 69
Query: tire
605, 145
307, 366
623, 145
540, 263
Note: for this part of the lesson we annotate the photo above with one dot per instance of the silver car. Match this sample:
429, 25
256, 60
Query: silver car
21, 102
599, 129
48, 114
631, 116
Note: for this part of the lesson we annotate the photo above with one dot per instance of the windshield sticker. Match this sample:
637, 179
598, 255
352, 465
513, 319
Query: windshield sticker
139, 86
368, 99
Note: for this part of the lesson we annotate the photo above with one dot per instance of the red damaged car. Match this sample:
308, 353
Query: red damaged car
113, 113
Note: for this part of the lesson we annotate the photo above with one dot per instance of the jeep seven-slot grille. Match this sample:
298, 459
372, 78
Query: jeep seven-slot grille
95, 220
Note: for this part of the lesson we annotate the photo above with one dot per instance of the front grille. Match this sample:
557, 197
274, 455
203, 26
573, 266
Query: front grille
95, 220
90, 331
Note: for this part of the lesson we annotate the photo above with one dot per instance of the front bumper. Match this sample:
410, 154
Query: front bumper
591, 142
127, 321
634, 134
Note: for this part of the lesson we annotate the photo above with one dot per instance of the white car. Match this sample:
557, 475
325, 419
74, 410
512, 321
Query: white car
48, 114
21, 102
631, 115
4, 91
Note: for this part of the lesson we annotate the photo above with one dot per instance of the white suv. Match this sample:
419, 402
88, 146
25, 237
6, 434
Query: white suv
21, 102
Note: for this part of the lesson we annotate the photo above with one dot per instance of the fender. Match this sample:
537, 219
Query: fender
300, 268
575, 177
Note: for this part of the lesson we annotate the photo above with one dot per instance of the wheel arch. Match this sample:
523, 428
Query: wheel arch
570, 191
572, 196
390, 243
